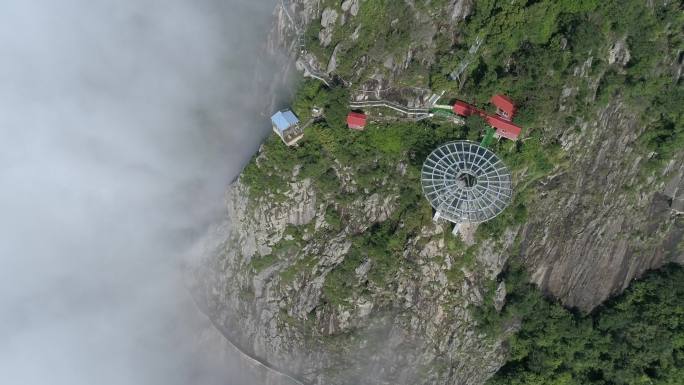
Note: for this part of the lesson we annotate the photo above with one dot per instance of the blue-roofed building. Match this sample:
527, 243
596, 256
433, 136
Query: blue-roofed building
286, 125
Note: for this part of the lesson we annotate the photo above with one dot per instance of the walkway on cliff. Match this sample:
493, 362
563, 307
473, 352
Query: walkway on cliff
418, 113
255, 362
309, 70
312, 72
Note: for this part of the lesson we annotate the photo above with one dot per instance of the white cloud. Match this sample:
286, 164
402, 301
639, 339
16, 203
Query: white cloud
122, 122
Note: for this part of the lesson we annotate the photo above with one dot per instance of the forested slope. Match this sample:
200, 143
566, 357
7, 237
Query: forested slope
635, 338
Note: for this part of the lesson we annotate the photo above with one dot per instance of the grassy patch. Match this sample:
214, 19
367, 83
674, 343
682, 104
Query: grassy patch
258, 264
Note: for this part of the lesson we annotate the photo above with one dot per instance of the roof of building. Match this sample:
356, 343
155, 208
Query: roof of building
463, 108
283, 120
356, 119
504, 102
504, 127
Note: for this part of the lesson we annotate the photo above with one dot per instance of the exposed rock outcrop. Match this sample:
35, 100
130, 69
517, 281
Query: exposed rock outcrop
460, 9
277, 313
619, 53
328, 19
351, 6
600, 224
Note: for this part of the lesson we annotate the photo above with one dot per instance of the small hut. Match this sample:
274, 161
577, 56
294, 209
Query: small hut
356, 121
286, 125
464, 109
504, 128
505, 107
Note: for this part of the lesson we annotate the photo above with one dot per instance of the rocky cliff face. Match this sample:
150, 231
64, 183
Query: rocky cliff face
603, 219
600, 223
381, 71
264, 287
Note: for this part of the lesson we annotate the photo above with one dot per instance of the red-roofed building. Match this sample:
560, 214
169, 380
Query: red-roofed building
504, 128
505, 107
464, 109
501, 121
356, 121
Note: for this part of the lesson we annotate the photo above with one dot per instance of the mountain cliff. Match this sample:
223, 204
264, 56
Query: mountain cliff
329, 266
605, 82
339, 275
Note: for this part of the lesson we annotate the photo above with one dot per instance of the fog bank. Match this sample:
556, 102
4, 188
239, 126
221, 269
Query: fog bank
122, 123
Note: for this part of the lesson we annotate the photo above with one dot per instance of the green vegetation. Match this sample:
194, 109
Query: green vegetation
290, 273
341, 282
262, 262
383, 28
290, 244
636, 338
532, 50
